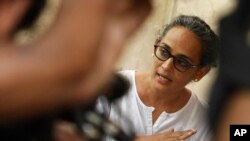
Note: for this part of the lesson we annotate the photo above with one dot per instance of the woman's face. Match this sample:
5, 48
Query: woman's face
181, 43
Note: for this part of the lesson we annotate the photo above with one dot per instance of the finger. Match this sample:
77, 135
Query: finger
65, 131
170, 138
188, 134
179, 133
171, 130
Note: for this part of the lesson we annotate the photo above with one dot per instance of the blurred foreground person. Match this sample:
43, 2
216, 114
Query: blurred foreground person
230, 97
70, 63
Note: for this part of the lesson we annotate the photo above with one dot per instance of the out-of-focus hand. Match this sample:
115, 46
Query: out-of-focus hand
66, 131
170, 135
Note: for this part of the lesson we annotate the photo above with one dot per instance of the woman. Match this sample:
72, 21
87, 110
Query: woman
158, 101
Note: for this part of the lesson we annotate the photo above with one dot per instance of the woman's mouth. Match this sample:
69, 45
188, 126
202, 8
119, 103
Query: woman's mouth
163, 78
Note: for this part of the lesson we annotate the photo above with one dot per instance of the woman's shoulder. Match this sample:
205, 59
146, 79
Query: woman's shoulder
199, 101
126, 72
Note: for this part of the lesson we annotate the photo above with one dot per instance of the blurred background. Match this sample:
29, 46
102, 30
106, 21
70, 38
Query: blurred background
137, 55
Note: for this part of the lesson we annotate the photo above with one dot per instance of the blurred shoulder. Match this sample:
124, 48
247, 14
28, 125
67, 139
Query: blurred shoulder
127, 73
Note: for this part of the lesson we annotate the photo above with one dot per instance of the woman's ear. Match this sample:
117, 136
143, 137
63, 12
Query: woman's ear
201, 73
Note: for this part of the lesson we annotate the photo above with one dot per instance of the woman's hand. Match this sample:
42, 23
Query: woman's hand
170, 135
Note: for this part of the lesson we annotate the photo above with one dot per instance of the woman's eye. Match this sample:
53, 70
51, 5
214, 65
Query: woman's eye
183, 62
164, 52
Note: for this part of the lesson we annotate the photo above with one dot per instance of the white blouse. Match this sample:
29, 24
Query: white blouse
132, 114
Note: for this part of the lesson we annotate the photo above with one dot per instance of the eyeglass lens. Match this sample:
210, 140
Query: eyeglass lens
164, 54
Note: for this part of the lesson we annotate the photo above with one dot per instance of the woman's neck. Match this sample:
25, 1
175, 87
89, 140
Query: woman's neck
160, 99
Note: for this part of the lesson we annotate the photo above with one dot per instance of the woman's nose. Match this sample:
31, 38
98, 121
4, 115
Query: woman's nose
168, 65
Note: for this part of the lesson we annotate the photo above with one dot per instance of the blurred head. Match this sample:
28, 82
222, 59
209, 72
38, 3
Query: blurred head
184, 51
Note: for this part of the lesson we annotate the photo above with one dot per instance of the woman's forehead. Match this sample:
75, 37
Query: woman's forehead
183, 41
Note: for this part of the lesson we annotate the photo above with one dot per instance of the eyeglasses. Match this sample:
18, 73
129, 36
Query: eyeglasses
181, 64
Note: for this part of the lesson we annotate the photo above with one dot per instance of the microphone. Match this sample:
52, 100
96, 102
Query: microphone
94, 125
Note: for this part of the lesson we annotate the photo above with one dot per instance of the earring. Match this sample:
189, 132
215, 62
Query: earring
196, 80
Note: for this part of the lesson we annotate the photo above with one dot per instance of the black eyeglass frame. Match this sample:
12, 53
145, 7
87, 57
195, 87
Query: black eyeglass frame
174, 59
